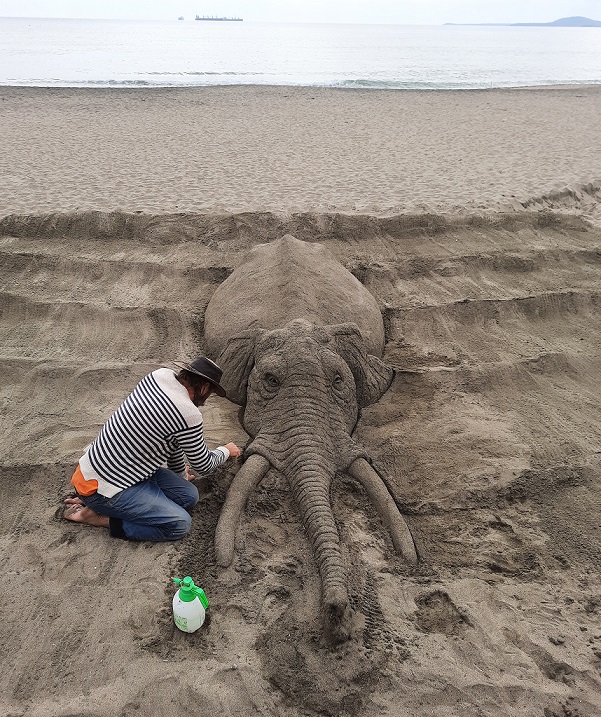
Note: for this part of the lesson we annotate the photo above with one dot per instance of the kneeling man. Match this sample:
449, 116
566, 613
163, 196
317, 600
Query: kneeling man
133, 478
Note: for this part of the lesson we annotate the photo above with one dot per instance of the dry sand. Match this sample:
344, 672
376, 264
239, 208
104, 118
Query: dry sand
283, 149
490, 433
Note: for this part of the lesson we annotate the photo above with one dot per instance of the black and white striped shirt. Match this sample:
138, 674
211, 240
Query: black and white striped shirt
156, 424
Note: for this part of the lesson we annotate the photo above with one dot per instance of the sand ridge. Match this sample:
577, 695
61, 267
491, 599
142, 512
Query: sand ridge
489, 435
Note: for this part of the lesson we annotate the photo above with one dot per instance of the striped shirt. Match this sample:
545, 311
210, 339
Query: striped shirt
157, 424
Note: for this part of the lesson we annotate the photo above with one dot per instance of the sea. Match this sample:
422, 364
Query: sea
189, 53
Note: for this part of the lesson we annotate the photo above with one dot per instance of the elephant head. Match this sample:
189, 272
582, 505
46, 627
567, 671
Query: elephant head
303, 386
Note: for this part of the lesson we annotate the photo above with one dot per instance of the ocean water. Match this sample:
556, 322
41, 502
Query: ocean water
116, 53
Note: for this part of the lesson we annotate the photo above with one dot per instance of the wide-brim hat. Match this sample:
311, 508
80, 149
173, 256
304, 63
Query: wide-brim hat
206, 368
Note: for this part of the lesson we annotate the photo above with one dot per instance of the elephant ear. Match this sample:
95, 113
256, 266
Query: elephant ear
372, 376
237, 360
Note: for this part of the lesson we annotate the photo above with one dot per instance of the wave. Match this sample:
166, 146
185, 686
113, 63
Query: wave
211, 74
215, 79
473, 85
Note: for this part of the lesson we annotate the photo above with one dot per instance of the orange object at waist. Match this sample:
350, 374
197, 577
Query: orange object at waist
81, 485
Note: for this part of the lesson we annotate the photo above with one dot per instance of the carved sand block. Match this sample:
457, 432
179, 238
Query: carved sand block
300, 340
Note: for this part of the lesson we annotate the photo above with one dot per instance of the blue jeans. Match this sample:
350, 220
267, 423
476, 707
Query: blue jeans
152, 510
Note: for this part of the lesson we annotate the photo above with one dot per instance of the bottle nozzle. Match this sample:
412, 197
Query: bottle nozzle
188, 591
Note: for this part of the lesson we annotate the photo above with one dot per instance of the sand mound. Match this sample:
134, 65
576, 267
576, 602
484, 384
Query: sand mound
489, 434
582, 198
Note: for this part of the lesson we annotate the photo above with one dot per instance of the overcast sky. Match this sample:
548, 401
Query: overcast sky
419, 12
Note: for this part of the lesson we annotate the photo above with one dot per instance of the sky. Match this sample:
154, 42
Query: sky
413, 12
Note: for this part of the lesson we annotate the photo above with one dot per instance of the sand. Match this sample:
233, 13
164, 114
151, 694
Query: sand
283, 149
474, 220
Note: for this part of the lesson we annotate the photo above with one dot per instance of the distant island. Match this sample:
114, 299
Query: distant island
562, 22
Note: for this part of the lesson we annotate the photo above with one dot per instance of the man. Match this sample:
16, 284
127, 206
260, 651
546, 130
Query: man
121, 481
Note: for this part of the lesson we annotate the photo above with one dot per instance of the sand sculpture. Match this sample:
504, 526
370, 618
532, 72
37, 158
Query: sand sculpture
300, 340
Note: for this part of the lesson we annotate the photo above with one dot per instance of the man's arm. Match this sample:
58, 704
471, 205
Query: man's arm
201, 459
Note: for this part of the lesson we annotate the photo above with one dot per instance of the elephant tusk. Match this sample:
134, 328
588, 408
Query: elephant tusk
382, 499
247, 478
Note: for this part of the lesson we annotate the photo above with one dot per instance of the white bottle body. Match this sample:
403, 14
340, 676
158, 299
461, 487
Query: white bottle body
188, 616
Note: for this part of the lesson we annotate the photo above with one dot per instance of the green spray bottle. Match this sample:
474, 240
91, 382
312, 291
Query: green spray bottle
189, 605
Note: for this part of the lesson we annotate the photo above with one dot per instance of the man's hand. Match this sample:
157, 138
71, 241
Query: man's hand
189, 474
233, 449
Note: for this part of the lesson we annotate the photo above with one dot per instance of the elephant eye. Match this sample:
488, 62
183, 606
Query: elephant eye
338, 381
272, 381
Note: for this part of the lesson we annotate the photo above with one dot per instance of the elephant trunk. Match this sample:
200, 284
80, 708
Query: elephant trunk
311, 489
311, 492
308, 462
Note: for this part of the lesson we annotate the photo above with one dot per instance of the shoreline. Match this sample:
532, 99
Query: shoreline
142, 85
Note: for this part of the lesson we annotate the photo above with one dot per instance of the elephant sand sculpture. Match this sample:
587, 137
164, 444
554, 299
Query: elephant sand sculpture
299, 339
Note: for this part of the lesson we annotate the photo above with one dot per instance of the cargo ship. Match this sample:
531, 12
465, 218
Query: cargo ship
220, 19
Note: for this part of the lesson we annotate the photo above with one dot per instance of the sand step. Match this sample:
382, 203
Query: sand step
101, 332
117, 281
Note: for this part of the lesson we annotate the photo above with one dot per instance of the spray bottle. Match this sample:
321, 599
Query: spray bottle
189, 605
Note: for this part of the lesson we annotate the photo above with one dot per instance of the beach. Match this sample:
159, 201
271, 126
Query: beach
473, 218
292, 149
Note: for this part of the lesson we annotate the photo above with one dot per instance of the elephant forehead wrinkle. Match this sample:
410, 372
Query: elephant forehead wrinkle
301, 380
292, 419
295, 333
271, 362
318, 363
305, 345
292, 414
313, 388
311, 443
305, 367
292, 427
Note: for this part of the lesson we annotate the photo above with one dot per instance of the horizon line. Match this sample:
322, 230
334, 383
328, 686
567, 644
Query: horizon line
289, 22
